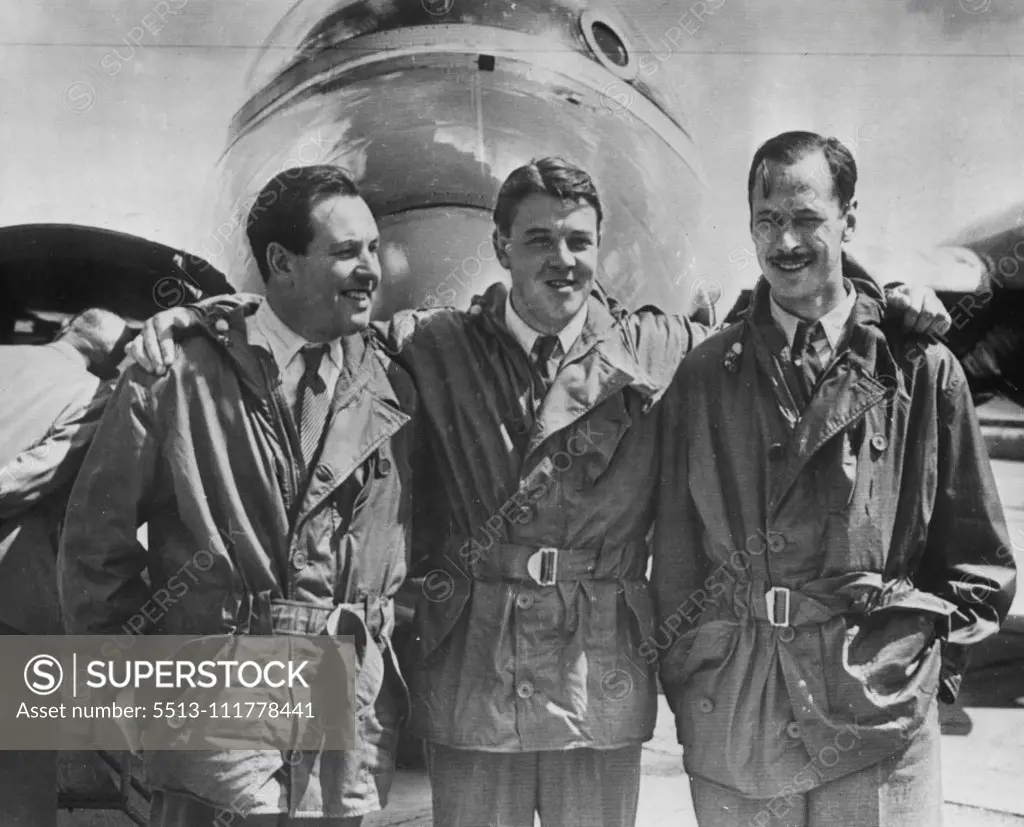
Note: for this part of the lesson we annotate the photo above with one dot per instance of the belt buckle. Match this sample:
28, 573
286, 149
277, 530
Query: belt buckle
543, 566
770, 603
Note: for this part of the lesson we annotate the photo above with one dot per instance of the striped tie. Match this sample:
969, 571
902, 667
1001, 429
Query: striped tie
311, 402
806, 358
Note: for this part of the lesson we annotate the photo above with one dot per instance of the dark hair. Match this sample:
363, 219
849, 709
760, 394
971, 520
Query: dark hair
544, 176
790, 147
282, 209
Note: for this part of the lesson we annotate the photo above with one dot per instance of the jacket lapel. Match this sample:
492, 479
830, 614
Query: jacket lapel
365, 413
258, 379
596, 367
849, 390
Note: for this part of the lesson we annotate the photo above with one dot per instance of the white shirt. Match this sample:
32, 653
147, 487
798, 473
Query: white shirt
265, 329
526, 335
833, 323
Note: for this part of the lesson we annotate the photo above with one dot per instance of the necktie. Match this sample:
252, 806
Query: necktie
311, 402
805, 356
545, 366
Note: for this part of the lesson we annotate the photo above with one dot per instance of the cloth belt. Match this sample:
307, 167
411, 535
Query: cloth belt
548, 565
263, 615
818, 601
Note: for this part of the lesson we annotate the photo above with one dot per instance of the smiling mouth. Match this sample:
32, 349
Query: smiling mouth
791, 265
560, 284
358, 295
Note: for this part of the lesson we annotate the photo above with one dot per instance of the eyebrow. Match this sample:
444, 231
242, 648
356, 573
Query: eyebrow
545, 231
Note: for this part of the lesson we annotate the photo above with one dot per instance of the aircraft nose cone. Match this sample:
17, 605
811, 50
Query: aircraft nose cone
435, 256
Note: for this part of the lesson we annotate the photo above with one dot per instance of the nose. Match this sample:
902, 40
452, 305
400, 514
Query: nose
369, 263
561, 256
788, 239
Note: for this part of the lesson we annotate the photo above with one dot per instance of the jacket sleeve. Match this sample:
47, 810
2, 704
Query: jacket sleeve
680, 568
661, 341
101, 562
54, 461
217, 306
968, 559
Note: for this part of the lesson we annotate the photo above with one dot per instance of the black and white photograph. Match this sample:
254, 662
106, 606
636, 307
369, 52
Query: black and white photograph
511, 413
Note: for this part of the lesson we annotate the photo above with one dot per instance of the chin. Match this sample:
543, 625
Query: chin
353, 324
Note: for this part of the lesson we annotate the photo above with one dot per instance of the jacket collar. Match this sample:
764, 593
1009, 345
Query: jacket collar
862, 374
833, 323
597, 366
863, 327
527, 336
363, 363
365, 410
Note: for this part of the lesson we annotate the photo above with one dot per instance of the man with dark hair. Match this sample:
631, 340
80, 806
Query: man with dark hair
277, 446
51, 399
539, 493
551, 176
835, 163
829, 537
282, 212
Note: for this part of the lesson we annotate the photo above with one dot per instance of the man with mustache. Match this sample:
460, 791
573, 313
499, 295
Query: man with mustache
276, 448
539, 416
829, 537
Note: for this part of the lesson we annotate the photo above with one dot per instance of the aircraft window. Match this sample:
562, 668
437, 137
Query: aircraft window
607, 44
610, 43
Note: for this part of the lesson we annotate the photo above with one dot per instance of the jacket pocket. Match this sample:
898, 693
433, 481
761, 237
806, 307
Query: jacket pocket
438, 608
703, 648
640, 608
703, 688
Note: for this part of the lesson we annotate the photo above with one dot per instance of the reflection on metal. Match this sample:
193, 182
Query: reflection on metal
430, 106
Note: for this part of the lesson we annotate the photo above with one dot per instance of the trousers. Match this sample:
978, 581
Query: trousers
567, 788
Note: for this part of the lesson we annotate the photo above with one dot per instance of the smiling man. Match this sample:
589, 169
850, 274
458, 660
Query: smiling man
538, 491
829, 539
276, 447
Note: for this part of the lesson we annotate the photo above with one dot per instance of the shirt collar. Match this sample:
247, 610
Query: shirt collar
526, 335
285, 343
833, 322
